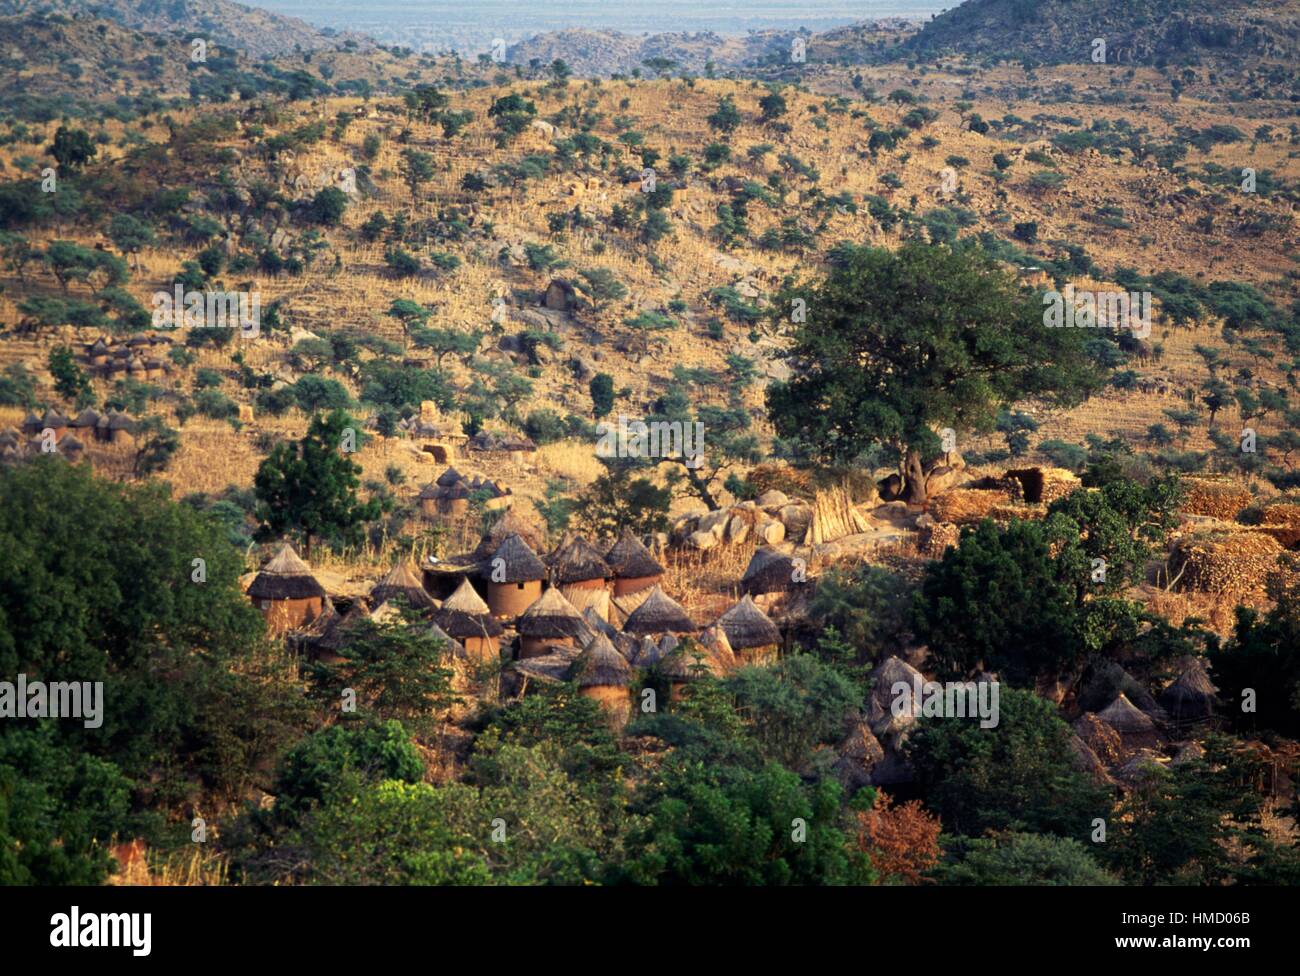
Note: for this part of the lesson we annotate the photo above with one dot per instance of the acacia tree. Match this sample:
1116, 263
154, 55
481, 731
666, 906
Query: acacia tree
895, 345
311, 486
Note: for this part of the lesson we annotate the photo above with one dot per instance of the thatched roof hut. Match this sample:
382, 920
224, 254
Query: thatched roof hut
286, 577
633, 565
584, 599
514, 562
448, 478
579, 563
1134, 726
464, 615
601, 665
1192, 696
687, 661
857, 754
510, 523
550, 617
659, 614
402, 582
714, 641
87, 418
598, 624
770, 571
552, 668
453, 646
1099, 738
336, 631
748, 627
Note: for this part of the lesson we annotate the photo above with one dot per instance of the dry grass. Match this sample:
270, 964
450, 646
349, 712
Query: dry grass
573, 461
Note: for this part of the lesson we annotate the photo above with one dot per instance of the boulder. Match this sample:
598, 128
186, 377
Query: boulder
771, 532
772, 499
703, 541
796, 519
714, 522
737, 530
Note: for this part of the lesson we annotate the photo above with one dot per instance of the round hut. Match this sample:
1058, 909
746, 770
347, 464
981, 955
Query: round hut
71, 448
550, 620
1192, 697
55, 421
659, 614
513, 577
402, 583
327, 645
510, 523
685, 663
465, 617
97, 352
86, 420
286, 592
771, 571
750, 631
579, 565
633, 565
603, 674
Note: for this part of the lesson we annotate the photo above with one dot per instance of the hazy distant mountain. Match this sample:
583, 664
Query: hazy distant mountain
257, 32
1135, 31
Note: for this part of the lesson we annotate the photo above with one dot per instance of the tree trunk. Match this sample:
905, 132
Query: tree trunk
701, 487
914, 478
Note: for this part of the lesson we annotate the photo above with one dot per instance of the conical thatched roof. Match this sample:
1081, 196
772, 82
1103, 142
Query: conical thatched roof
684, 662
769, 571
54, 419
514, 562
602, 665
510, 523
551, 615
404, 582
286, 577
747, 626
586, 598
1123, 716
464, 615
630, 559
659, 614
1192, 696
598, 624
334, 635
551, 668
87, 418
714, 640
454, 647
448, 478
577, 562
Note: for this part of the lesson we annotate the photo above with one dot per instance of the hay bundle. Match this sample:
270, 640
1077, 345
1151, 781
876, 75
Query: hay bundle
1005, 513
1282, 522
834, 517
1233, 563
966, 505
1219, 497
934, 540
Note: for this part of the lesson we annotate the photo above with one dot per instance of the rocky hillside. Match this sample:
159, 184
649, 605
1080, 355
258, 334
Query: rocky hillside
256, 32
1135, 31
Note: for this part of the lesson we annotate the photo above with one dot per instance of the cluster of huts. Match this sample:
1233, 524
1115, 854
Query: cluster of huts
142, 357
1116, 745
52, 432
449, 494
583, 613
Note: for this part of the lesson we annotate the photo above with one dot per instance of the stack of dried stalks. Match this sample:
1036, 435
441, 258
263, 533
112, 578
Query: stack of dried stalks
1234, 563
965, 505
1221, 498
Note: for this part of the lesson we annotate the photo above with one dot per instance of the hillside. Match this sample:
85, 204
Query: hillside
256, 32
1242, 32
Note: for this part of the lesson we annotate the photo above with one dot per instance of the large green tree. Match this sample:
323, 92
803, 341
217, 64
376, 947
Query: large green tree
895, 345
311, 486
